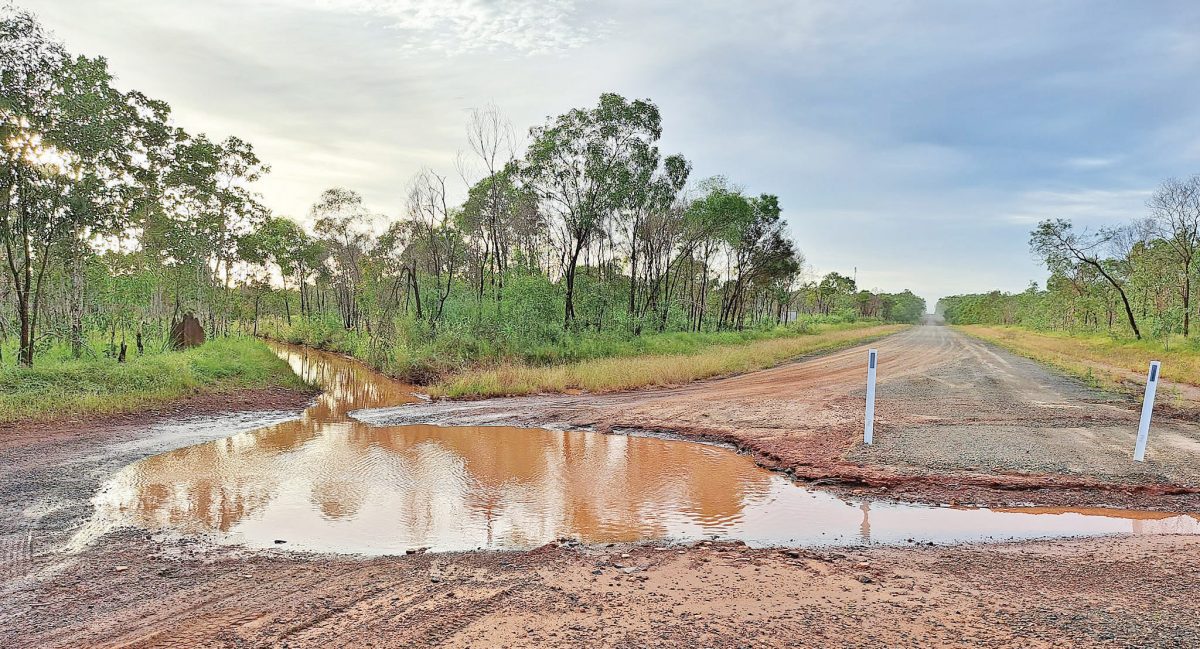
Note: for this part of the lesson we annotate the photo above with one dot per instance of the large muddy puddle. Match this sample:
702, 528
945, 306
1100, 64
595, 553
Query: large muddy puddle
327, 482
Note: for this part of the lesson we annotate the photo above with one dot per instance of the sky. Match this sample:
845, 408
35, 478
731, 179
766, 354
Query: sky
912, 144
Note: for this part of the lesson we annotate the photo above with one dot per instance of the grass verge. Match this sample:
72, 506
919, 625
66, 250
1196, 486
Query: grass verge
412, 353
55, 388
1098, 359
656, 370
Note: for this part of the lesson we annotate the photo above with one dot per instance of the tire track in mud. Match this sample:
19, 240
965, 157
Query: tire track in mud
712, 594
16, 554
228, 598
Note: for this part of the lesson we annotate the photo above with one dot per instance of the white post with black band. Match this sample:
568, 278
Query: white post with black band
869, 426
1139, 450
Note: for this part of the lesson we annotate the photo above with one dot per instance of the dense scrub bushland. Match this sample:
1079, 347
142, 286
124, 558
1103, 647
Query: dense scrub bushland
460, 348
588, 242
523, 329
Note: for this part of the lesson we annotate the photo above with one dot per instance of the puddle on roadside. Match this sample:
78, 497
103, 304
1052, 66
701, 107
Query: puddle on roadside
326, 482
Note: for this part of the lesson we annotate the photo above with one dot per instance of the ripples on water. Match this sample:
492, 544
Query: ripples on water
327, 482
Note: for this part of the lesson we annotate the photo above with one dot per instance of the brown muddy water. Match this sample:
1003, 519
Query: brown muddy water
326, 482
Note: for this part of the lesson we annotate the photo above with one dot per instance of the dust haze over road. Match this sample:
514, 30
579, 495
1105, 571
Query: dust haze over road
1002, 426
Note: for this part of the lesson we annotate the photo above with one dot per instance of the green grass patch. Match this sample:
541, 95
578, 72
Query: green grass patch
56, 387
672, 359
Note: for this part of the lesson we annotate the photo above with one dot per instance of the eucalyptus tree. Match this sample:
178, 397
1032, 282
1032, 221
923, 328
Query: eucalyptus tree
31, 70
775, 267
153, 149
583, 167
438, 243
489, 204
1061, 248
62, 141
650, 203
1175, 213
705, 224
239, 209
209, 207
760, 252
831, 290
342, 223
282, 243
397, 267
99, 196
501, 220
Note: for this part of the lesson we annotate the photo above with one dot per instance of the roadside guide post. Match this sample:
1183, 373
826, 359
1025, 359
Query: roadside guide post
869, 426
1139, 450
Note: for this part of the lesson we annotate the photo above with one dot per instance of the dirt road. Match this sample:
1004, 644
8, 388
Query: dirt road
131, 589
51, 470
130, 592
957, 419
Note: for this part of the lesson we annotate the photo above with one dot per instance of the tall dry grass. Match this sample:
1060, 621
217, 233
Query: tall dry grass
1104, 360
627, 373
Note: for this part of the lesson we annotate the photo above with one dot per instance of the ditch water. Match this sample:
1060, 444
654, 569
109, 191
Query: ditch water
327, 482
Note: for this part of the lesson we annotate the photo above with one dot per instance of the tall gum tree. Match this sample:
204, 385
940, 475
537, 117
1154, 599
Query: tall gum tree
1175, 214
1056, 242
583, 166
62, 140
342, 223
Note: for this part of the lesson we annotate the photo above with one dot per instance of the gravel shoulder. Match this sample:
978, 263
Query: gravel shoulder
988, 410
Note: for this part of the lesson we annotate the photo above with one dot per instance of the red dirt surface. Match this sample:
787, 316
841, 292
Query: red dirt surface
957, 420
1084, 593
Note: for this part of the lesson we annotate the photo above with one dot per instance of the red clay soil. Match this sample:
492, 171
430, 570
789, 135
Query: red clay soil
957, 421
130, 592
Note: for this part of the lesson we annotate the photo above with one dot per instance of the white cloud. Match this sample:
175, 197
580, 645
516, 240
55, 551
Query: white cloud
1082, 205
916, 141
461, 26
1085, 162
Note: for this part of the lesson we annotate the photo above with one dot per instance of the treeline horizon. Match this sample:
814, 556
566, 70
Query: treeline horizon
114, 222
1135, 279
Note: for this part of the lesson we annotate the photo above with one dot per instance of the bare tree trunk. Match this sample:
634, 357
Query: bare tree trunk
569, 310
257, 302
1187, 300
77, 301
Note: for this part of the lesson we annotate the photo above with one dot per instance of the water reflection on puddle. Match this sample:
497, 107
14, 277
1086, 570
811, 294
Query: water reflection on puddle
327, 482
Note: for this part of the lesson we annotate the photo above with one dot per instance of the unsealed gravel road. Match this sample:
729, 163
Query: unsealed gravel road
956, 419
940, 394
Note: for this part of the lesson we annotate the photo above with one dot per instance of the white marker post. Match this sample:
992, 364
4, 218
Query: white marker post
1139, 450
869, 426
